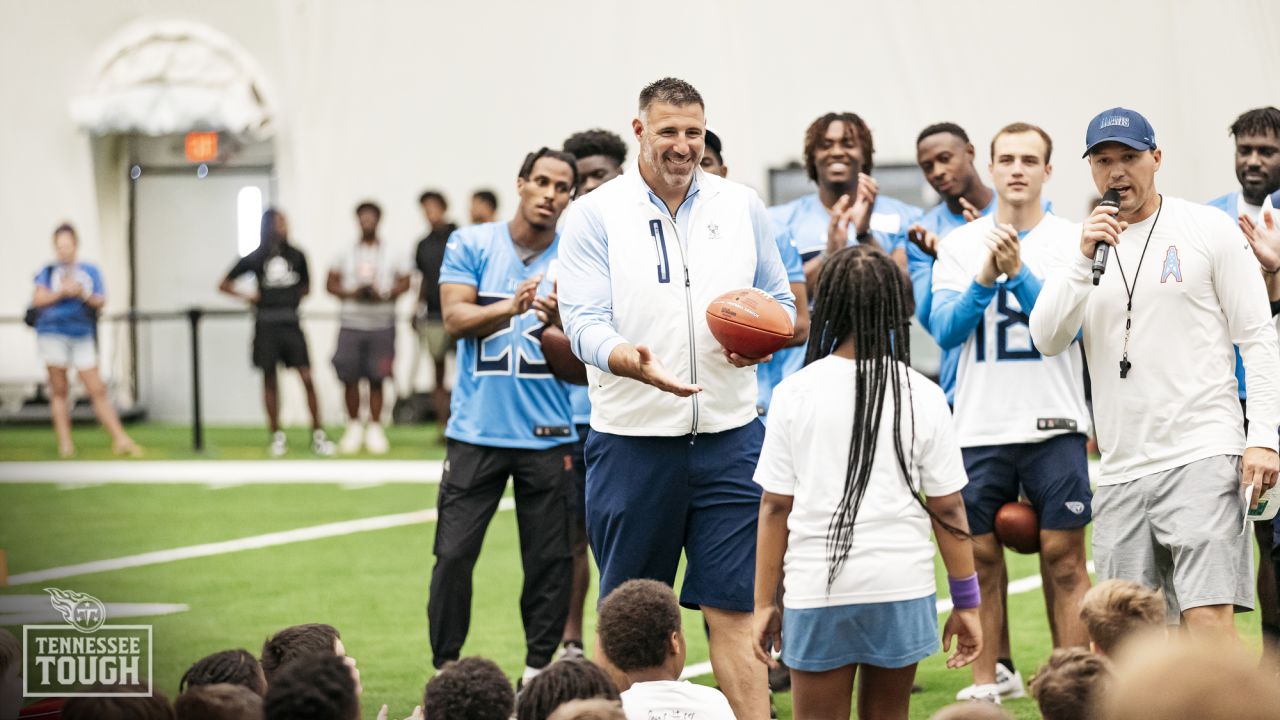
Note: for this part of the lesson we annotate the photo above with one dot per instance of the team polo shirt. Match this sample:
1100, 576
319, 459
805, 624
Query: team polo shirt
1006, 391
505, 395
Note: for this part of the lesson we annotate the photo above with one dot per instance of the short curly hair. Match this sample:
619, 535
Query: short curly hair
590, 143
635, 623
1071, 684
316, 687
220, 701
562, 681
472, 688
296, 642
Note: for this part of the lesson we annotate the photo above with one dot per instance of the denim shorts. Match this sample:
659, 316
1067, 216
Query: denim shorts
886, 634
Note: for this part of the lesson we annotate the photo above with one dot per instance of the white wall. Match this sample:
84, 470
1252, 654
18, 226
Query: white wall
382, 98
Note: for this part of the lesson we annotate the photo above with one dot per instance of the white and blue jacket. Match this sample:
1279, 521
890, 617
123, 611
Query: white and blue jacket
632, 272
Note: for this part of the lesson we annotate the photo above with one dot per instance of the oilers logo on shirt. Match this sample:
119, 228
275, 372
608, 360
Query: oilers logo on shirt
1172, 265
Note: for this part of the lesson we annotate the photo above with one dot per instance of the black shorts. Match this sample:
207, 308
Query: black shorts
276, 343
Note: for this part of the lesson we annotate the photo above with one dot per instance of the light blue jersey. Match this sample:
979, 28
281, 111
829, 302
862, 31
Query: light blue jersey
939, 220
505, 394
790, 359
808, 221
1230, 204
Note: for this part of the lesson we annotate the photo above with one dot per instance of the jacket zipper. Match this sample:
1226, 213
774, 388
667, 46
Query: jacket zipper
688, 302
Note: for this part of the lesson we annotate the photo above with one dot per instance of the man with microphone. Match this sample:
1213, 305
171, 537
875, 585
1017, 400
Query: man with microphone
1180, 287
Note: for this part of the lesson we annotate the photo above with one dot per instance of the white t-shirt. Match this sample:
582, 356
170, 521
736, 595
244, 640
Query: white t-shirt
375, 265
1198, 292
805, 453
674, 700
1005, 389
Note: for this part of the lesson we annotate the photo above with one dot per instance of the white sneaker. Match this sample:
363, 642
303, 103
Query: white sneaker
375, 440
321, 444
352, 438
279, 444
1008, 685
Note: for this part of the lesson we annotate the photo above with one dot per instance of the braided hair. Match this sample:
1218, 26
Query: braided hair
235, 667
565, 680
861, 296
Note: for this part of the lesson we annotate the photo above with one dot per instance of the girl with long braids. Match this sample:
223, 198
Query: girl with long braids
859, 460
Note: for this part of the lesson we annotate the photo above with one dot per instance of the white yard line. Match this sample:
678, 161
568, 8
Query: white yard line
222, 473
316, 532
35, 609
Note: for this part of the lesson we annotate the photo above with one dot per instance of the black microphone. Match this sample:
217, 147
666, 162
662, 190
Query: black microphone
1111, 198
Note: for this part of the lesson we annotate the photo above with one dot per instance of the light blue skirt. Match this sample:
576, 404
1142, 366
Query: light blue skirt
888, 635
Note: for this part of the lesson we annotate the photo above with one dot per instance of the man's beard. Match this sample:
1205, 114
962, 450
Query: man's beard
669, 177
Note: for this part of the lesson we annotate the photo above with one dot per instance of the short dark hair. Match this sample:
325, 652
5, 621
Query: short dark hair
313, 688
220, 701
433, 195
296, 642
486, 196
109, 706
942, 127
526, 168
1259, 121
66, 227
672, 91
855, 125
472, 688
597, 142
371, 207
635, 623
236, 667
1021, 127
562, 681
1069, 686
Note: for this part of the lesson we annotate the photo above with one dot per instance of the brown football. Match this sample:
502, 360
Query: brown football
749, 322
560, 358
1018, 528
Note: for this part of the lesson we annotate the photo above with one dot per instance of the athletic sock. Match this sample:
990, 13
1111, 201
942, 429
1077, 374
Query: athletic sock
530, 673
1007, 662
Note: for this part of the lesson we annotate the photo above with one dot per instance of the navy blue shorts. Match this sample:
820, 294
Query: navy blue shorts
648, 498
1054, 475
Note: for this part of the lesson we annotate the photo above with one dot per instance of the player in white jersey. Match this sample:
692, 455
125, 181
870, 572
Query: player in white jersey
1158, 334
1020, 418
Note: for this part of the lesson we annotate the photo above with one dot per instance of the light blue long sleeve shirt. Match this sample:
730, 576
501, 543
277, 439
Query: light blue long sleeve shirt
954, 316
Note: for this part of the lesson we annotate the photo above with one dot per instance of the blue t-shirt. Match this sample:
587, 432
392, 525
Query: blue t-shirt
505, 395
68, 316
808, 221
939, 220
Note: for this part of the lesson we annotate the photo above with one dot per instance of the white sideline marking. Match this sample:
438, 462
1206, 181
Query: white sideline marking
316, 532
35, 609
1016, 587
221, 473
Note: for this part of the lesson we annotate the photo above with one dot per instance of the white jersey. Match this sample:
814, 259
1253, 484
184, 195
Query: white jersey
1006, 391
805, 456
1197, 293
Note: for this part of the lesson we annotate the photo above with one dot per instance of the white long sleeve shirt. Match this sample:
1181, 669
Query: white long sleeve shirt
1197, 293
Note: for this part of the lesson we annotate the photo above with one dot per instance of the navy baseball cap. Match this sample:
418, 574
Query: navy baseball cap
1121, 125
713, 142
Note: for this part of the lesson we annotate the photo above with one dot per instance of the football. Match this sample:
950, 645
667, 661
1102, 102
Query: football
749, 322
560, 358
1018, 528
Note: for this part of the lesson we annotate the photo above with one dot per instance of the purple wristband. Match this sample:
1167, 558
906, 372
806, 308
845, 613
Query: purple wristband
965, 594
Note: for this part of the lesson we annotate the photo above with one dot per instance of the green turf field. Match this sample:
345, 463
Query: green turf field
371, 585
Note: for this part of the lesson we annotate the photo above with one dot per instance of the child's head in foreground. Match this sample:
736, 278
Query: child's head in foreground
639, 626
1116, 611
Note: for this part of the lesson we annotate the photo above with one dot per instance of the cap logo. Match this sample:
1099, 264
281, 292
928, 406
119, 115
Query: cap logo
1114, 120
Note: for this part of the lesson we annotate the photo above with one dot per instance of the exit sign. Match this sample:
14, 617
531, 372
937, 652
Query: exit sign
201, 147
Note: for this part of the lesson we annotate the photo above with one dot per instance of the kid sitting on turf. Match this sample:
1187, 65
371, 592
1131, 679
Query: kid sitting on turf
1116, 611
639, 627
858, 431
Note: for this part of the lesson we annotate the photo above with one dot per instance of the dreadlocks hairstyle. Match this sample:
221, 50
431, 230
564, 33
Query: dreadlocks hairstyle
861, 296
852, 125
565, 680
1260, 121
236, 667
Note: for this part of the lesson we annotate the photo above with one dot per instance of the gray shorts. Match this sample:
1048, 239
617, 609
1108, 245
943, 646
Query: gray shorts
1178, 531
364, 354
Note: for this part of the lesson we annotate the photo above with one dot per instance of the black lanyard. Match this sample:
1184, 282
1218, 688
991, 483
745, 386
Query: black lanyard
1125, 365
